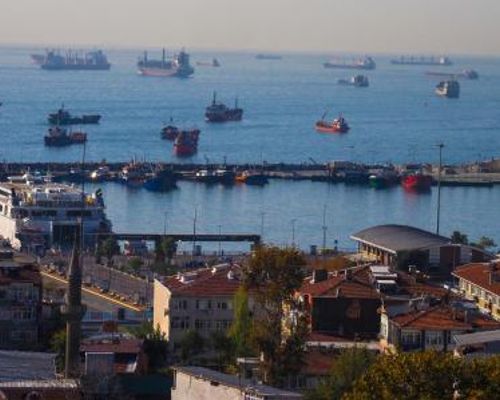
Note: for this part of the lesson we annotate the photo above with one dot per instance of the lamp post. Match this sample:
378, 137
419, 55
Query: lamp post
220, 245
438, 213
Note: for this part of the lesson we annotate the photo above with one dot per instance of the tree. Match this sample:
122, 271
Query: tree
347, 367
428, 375
169, 248
135, 264
58, 346
224, 347
274, 275
155, 344
459, 238
486, 243
241, 329
109, 248
191, 344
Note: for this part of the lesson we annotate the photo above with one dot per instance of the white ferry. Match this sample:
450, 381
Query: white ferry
35, 212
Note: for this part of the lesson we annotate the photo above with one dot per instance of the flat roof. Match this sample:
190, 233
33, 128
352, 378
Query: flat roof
26, 365
236, 382
477, 338
395, 238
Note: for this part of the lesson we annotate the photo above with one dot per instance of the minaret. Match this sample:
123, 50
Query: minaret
73, 310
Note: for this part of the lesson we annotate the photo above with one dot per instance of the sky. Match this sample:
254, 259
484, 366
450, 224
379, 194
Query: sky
378, 26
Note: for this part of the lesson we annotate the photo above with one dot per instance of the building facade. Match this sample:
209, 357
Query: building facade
481, 282
201, 300
20, 300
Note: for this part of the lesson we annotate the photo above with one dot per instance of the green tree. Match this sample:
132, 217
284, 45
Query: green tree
224, 348
135, 264
347, 367
155, 344
459, 238
169, 248
192, 344
486, 243
58, 346
240, 331
109, 248
274, 275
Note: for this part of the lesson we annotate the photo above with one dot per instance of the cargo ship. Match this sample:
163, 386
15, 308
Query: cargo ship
186, 143
338, 125
263, 56
214, 63
63, 117
72, 60
361, 63
420, 60
177, 67
450, 89
465, 74
59, 137
219, 112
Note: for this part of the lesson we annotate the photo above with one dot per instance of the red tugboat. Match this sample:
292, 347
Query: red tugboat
338, 125
417, 182
186, 143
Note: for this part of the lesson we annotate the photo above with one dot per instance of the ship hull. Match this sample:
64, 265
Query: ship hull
75, 67
232, 115
331, 129
163, 73
83, 120
347, 66
420, 183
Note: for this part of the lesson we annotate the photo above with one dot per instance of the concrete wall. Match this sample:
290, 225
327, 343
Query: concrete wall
161, 305
187, 387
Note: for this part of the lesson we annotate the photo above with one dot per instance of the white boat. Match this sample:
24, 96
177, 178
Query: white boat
34, 211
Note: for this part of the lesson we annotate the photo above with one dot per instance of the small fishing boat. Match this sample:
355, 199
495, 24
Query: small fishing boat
338, 125
252, 178
416, 181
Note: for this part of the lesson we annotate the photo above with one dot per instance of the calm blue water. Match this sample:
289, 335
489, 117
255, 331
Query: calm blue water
398, 118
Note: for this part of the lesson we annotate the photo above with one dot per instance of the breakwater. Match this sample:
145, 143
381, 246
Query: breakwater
476, 174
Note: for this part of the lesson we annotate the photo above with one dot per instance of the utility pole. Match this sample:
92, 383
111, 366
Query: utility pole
262, 215
438, 213
324, 230
293, 231
195, 219
165, 223
220, 244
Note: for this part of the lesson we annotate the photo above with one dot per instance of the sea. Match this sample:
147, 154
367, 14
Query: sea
398, 119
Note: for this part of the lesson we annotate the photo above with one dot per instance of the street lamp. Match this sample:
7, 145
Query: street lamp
440, 146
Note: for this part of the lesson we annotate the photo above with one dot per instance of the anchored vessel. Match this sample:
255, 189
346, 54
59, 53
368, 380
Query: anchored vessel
263, 56
417, 181
63, 117
356, 81
59, 137
465, 74
338, 125
179, 66
361, 63
72, 60
214, 63
450, 89
416, 60
35, 211
219, 112
186, 143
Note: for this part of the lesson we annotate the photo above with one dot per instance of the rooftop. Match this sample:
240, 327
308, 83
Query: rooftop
236, 382
120, 346
26, 365
470, 339
444, 317
352, 284
220, 280
484, 275
395, 238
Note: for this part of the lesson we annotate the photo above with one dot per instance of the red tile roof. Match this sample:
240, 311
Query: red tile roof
207, 282
357, 286
442, 317
479, 274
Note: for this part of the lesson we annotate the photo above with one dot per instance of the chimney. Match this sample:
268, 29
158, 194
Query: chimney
73, 310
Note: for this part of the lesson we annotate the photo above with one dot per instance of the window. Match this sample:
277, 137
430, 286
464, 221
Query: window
222, 324
179, 323
202, 324
433, 338
179, 304
203, 304
410, 337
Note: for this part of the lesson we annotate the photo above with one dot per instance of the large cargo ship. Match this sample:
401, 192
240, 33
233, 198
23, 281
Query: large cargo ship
59, 137
63, 117
420, 60
179, 66
72, 60
37, 211
360, 63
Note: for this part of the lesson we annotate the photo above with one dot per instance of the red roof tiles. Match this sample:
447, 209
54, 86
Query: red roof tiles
122, 346
206, 282
480, 274
443, 317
